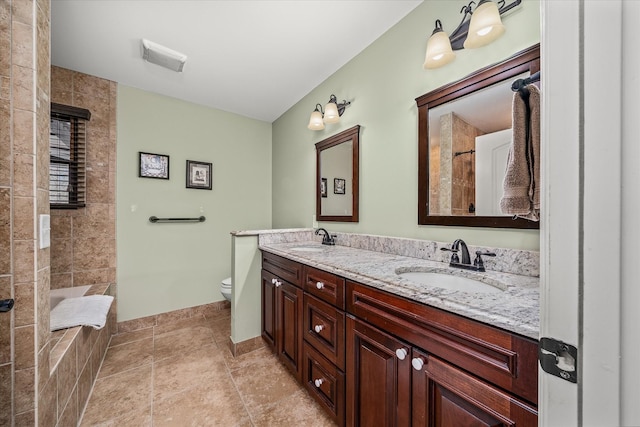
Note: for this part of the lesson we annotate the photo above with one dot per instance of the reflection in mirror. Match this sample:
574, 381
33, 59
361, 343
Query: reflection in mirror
337, 170
464, 138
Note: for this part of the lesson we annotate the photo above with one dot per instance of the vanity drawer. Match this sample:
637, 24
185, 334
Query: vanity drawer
324, 329
324, 382
326, 286
504, 359
286, 269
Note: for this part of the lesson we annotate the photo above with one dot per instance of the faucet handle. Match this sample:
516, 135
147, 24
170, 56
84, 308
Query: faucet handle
478, 263
454, 254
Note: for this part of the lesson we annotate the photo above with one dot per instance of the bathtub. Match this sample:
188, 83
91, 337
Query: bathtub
57, 295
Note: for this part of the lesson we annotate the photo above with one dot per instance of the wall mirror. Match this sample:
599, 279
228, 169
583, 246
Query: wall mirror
337, 171
464, 135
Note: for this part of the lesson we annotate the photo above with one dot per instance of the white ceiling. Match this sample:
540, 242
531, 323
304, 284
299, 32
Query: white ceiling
254, 58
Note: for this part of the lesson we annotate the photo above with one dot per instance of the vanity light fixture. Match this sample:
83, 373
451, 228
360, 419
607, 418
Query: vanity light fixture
479, 27
331, 113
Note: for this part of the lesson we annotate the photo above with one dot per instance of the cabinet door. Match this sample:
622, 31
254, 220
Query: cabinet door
445, 396
289, 326
378, 377
268, 290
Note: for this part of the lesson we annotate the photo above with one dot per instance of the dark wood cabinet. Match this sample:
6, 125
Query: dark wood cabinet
282, 320
372, 358
378, 377
444, 395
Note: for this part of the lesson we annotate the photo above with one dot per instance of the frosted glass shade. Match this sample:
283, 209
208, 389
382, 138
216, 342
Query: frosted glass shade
331, 114
439, 51
485, 26
315, 121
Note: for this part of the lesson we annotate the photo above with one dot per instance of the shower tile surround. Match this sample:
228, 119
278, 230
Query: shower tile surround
373, 261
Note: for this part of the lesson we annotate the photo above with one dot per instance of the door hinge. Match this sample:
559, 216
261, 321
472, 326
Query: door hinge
558, 358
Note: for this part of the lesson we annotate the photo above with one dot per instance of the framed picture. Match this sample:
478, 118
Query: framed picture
198, 175
323, 187
153, 166
338, 186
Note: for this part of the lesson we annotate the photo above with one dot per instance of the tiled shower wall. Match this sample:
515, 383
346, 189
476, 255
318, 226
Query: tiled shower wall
24, 194
83, 241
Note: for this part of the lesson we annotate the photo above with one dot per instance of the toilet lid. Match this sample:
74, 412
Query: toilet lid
227, 281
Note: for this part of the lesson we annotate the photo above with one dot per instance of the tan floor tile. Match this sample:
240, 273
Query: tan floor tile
299, 410
182, 342
176, 325
127, 337
139, 418
216, 404
264, 384
200, 367
118, 394
260, 357
127, 356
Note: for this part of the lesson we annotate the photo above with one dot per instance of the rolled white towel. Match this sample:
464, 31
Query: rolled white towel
90, 310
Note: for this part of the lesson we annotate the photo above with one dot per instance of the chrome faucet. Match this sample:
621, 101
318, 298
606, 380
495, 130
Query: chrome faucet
460, 245
327, 239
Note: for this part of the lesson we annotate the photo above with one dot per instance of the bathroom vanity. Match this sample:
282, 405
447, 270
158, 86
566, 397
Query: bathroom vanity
375, 348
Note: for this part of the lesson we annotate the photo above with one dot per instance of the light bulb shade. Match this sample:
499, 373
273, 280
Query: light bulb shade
331, 114
485, 25
315, 121
439, 51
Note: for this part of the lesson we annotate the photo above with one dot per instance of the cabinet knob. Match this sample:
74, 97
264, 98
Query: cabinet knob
278, 283
318, 382
417, 363
273, 281
319, 285
318, 328
401, 353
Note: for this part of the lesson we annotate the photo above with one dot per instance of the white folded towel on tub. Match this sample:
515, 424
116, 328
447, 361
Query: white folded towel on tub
90, 310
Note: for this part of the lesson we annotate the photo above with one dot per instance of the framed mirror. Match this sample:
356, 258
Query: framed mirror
464, 134
337, 172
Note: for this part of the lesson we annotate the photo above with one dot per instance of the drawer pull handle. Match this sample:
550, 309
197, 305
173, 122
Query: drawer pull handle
401, 353
318, 328
319, 285
417, 363
318, 382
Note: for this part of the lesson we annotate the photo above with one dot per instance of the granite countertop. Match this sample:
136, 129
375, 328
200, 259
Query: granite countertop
515, 308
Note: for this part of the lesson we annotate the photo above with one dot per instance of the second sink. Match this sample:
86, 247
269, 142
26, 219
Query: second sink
449, 281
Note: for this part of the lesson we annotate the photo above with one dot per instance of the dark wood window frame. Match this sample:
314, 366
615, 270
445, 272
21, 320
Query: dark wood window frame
67, 175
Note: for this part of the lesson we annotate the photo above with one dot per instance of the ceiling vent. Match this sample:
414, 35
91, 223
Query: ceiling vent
163, 56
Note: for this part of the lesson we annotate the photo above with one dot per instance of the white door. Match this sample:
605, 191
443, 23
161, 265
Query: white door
581, 228
492, 150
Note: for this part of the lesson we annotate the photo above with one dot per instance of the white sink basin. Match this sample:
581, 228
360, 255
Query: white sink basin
307, 249
449, 281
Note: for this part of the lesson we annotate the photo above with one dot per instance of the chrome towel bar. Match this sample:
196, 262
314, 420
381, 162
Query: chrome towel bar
155, 219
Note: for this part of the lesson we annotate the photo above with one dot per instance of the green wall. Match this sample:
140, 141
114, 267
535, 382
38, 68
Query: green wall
166, 267
382, 83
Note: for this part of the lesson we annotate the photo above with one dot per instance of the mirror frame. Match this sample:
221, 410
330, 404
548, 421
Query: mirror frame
526, 60
353, 135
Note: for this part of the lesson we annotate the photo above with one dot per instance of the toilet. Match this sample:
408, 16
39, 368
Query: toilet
225, 288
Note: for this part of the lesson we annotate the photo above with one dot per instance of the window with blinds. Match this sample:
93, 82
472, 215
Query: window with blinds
67, 155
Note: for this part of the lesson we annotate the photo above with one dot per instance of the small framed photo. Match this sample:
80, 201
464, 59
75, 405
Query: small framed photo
338, 186
153, 165
323, 187
199, 175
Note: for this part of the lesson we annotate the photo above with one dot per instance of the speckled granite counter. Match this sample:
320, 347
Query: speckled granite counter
514, 309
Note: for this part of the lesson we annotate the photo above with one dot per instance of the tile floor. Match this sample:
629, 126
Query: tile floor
183, 374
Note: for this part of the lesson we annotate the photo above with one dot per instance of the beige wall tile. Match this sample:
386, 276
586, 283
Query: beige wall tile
23, 220
90, 254
61, 255
43, 58
22, 87
43, 307
90, 87
22, 11
47, 407
24, 339
5, 141
84, 385
24, 307
67, 377
23, 261
24, 391
60, 226
22, 46
6, 391
5, 38
61, 280
5, 323
44, 365
5, 230
23, 131
93, 277
23, 174
69, 414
